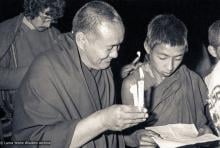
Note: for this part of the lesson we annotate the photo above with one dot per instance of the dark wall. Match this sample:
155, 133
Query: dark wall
196, 14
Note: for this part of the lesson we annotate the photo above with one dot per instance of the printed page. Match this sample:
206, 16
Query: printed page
176, 135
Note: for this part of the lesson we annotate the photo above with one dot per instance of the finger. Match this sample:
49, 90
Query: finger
128, 67
138, 65
151, 133
147, 139
133, 109
146, 146
134, 116
145, 143
126, 70
136, 121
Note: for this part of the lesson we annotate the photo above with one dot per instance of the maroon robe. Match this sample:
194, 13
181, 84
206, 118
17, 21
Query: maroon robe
57, 92
19, 45
180, 98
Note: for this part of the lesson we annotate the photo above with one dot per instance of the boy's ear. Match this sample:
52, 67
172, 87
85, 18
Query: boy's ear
146, 47
80, 40
212, 51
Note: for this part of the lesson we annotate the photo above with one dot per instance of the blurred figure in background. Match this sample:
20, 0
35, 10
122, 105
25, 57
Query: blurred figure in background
22, 39
212, 80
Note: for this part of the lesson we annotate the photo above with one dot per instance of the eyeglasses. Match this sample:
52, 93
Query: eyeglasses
46, 18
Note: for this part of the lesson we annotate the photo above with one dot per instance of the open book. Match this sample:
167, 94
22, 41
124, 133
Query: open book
177, 135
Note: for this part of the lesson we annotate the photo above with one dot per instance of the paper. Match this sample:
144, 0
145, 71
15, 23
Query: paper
137, 90
176, 135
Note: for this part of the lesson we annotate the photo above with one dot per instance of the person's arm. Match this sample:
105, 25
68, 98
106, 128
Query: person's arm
126, 96
11, 78
115, 118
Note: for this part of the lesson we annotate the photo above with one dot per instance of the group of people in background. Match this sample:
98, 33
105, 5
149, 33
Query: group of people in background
59, 87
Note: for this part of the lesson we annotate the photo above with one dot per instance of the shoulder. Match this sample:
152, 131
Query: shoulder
193, 75
196, 81
54, 32
132, 77
12, 22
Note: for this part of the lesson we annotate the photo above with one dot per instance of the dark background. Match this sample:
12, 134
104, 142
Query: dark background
196, 14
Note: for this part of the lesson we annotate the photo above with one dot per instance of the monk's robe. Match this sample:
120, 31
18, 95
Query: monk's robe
19, 45
57, 92
180, 98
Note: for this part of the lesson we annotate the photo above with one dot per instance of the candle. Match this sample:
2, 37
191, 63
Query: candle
133, 90
141, 88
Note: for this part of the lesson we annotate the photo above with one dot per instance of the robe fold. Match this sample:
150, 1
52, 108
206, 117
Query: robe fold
180, 98
56, 94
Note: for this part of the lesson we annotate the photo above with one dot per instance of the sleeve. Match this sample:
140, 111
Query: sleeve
204, 94
40, 114
126, 95
130, 135
203, 114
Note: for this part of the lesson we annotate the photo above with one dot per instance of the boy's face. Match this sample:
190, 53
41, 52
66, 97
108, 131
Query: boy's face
164, 59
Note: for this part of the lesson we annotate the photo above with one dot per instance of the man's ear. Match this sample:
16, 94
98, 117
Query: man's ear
80, 40
146, 47
212, 51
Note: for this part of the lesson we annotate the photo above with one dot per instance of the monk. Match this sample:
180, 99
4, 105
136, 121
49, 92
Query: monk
67, 97
22, 39
173, 93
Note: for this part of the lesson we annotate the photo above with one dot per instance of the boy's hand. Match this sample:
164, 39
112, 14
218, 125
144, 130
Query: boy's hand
146, 139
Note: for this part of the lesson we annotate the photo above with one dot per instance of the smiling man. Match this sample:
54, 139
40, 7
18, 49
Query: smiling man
173, 93
68, 94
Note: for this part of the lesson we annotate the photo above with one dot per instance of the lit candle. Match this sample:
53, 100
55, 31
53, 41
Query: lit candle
141, 88
133, 90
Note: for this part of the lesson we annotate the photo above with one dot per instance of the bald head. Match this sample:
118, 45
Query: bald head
92, 14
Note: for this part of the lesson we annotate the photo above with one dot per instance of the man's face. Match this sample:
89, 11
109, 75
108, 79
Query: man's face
103, 45
43, 21
164, 59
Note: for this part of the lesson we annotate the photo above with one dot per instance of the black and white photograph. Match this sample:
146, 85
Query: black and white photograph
110, 74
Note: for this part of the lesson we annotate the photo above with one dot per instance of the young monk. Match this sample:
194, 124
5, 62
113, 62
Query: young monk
173, 93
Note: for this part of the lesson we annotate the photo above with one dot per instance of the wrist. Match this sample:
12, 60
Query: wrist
101, 120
